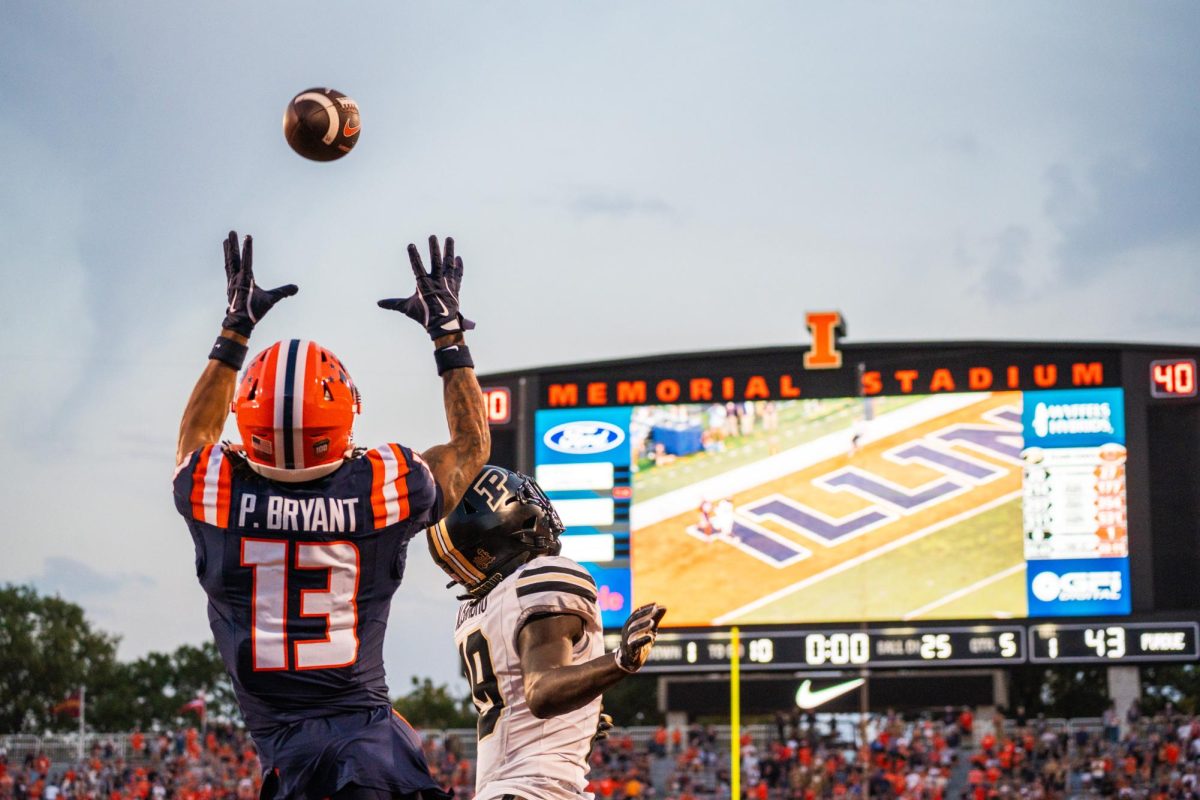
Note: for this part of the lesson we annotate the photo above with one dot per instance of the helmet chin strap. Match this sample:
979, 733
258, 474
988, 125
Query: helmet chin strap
502, 572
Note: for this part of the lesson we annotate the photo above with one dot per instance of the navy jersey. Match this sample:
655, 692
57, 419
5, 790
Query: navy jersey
300, 576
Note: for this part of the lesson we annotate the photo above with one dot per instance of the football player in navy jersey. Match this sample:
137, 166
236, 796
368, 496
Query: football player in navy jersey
301, 538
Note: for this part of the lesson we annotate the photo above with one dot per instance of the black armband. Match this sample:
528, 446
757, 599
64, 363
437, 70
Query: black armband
229, 352
454, 356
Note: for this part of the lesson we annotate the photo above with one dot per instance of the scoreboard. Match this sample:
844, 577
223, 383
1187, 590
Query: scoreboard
1114, 642
1104, 642
826, 649
878, 505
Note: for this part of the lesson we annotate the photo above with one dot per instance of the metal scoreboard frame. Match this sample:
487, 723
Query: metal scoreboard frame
1162, 429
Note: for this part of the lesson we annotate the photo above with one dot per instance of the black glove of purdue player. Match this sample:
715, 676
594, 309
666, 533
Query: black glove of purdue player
247, 302
604, 724
435, 302
637, 637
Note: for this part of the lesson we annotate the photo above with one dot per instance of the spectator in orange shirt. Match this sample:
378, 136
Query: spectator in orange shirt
966, 721
660, 742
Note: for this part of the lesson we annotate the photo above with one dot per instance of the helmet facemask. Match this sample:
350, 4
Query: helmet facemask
503, 520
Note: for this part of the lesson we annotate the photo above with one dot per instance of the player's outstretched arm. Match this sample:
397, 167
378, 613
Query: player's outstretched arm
435, 306
207, 408
553, 685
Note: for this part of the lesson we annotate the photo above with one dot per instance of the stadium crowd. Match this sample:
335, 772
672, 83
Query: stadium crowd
219, 764
946, 755
1157, 757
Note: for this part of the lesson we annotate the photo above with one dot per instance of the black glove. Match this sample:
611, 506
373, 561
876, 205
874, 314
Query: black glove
637, 637
247, 302
603, 725
435, 303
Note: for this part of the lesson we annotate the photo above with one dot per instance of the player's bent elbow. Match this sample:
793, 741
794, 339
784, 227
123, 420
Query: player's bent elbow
539, 700
540, 711
538, 705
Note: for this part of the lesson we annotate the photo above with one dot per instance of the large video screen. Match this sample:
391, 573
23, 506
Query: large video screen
992, 505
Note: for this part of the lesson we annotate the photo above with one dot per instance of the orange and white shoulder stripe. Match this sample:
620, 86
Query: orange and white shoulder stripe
212, 486
389, 485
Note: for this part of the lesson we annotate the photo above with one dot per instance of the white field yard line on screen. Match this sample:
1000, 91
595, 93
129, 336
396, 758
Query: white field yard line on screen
831, 445
778, 594
964, 591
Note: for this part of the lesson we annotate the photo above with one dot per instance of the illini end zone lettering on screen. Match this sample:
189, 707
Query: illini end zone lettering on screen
824, 354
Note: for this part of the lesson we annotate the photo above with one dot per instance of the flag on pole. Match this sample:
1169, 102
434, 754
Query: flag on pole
197, 705
72, 706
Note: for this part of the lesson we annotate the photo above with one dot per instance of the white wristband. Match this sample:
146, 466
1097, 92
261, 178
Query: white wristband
617, 657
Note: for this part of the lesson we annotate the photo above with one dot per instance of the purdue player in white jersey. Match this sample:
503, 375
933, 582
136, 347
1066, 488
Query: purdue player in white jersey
530, 639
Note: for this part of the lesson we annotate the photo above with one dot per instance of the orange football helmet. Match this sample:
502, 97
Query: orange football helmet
295, 409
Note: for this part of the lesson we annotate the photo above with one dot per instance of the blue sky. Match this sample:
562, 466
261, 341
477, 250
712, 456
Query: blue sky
622, 178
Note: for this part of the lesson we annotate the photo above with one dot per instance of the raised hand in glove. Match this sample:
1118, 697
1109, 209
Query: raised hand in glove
435, 302
638, 635
247, 302
604, 724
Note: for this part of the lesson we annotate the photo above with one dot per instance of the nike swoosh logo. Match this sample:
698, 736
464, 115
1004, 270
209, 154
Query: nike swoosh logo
348, 131
445, 311
806, 698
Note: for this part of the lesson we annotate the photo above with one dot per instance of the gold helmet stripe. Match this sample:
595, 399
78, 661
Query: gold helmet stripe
456, 561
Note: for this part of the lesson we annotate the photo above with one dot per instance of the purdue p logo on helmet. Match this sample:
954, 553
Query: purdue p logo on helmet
295, 410
503, 520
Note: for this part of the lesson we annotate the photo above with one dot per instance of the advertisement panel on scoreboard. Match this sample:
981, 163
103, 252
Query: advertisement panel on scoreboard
972, 505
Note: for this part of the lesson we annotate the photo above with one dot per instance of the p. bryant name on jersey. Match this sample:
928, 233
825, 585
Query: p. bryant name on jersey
310, 514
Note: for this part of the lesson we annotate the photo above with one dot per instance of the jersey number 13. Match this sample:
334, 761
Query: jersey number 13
336, 603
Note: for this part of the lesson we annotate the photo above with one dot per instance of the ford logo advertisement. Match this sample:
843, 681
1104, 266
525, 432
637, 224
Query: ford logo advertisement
584, 437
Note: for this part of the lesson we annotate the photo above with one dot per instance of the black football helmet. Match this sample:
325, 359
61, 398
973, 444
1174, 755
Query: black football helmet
503, 520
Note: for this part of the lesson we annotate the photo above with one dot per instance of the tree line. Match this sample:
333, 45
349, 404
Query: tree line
48, 649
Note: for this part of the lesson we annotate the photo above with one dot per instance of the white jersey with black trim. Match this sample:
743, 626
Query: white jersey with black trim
520, 754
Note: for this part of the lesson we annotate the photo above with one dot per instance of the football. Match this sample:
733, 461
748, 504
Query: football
321, 124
